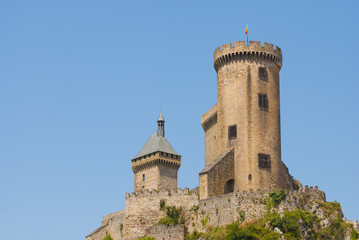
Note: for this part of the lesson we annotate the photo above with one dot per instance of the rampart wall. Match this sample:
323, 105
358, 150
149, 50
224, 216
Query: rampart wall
248, 206
166, 232
144, 210
113, 224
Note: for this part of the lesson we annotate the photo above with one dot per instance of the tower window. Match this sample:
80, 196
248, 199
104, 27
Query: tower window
232, 132
250, 177
263, 101
262, 71
143, 177
264, 160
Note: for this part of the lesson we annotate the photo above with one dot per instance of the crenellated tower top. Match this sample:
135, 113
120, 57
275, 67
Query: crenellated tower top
240, 52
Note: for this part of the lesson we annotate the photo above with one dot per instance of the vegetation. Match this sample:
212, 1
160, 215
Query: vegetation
290, 223
242, 216
145, 238
254, 230
162, 204
173, 216
107, 237
195, 208
274, 198
205, 220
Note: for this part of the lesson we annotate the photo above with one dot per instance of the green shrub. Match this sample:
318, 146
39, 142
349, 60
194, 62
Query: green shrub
107, 237
289, 223
255, 230
194, 235
277, 197
354, 235
242, 216
162, 204
145, 238
205, 220
173, 216
195, 208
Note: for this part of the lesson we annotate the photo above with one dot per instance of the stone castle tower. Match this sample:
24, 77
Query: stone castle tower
242, 131
156, 165
242, 159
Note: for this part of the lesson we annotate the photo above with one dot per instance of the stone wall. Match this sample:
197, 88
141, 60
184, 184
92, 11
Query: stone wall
218, 177
143, 211
163, 232
209, 124
113, 224
168, 178
151, 179
247, 206
143, 208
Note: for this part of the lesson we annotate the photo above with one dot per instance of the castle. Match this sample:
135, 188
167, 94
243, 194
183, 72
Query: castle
242, 156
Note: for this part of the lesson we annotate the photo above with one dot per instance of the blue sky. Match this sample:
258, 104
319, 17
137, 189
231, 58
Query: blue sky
82, 84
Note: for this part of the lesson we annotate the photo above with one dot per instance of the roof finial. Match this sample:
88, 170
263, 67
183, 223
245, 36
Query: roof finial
160, 126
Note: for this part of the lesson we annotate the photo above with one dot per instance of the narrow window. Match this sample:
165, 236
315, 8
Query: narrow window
250, 177
263, 101
143, 177
262, 72
264, 160
232, 132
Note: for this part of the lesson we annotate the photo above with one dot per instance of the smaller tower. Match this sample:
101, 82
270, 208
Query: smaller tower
160, 126
157, 164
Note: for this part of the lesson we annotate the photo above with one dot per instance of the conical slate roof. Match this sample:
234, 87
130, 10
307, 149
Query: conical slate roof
156, 144
160, 118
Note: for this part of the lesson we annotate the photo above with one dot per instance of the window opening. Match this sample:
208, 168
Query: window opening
232, 132
263, 101
264, 160
262, 71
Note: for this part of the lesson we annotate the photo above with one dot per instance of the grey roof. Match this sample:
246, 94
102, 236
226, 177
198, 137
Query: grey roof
160, 118
155, 144
217, 160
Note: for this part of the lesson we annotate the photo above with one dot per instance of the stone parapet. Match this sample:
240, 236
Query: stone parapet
240, 51
209, 115
152, 193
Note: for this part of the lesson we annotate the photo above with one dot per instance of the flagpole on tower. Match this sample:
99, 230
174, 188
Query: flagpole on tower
246, 31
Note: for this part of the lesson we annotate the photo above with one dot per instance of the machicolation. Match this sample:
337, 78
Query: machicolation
241, 52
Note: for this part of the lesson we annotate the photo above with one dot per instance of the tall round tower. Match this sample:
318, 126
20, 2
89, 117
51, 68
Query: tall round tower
246, 119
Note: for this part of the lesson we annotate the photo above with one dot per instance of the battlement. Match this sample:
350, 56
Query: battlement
147, 193
155, 159
240, 52
152, 193
210, 115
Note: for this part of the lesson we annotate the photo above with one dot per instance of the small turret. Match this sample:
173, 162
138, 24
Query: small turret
156, 165
160, 126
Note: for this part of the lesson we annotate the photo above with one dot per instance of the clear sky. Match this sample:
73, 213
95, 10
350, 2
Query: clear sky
82, 83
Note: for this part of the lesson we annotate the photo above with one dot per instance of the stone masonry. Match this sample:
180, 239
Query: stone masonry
143, 211
242, 157
246, 117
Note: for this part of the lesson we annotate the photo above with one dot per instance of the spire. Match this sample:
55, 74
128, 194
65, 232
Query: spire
160, 126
